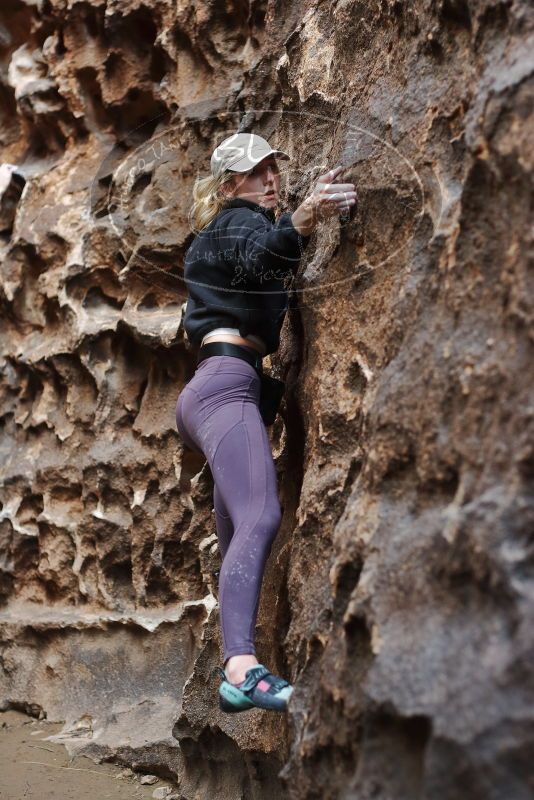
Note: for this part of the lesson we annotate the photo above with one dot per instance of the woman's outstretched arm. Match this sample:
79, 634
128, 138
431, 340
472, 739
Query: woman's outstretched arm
261, 247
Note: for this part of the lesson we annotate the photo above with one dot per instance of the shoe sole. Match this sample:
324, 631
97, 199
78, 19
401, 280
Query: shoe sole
233, 701
230, 708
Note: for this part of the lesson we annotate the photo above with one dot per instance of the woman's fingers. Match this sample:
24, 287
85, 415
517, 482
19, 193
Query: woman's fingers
326, 184
329, 176
333, 201
340, 188
329, 197
340, 194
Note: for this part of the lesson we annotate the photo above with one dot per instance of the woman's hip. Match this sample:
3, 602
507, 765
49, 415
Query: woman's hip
215, 400
219, 380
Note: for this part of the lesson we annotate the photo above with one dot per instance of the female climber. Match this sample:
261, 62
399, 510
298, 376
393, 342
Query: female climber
237, 272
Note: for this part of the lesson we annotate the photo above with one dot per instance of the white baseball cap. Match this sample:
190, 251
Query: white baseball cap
241, 152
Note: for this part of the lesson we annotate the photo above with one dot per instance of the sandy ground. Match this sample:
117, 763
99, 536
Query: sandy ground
33, 769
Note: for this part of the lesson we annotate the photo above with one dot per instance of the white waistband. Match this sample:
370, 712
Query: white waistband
235, 332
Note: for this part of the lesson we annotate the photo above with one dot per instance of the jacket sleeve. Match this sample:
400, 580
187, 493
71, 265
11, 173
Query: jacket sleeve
265, 251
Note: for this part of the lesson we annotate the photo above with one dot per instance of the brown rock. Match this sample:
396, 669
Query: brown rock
398, 594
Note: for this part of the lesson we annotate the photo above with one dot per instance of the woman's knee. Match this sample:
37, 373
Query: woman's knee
271, 519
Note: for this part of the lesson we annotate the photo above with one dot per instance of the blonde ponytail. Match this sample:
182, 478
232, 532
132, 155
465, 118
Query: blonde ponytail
208, 200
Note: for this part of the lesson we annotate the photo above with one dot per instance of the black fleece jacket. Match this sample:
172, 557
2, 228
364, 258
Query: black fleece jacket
238, 270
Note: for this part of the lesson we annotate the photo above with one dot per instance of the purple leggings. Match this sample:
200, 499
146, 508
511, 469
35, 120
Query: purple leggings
217, 414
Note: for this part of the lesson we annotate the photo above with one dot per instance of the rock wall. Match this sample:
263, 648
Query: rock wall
398, 592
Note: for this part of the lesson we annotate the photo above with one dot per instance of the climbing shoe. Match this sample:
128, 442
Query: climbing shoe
260, 689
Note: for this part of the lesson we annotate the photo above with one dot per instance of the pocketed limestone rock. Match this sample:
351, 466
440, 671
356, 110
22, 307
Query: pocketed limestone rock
398, 593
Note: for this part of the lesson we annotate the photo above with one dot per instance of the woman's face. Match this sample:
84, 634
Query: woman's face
260, 185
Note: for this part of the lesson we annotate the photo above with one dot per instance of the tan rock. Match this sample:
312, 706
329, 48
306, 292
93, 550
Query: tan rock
398, 593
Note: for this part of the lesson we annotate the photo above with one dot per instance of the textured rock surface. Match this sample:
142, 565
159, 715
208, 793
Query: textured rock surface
399, 592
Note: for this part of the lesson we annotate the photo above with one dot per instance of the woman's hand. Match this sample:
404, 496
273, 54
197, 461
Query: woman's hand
327, 198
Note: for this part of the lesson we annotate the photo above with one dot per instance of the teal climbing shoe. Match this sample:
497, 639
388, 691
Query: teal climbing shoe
260, 689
